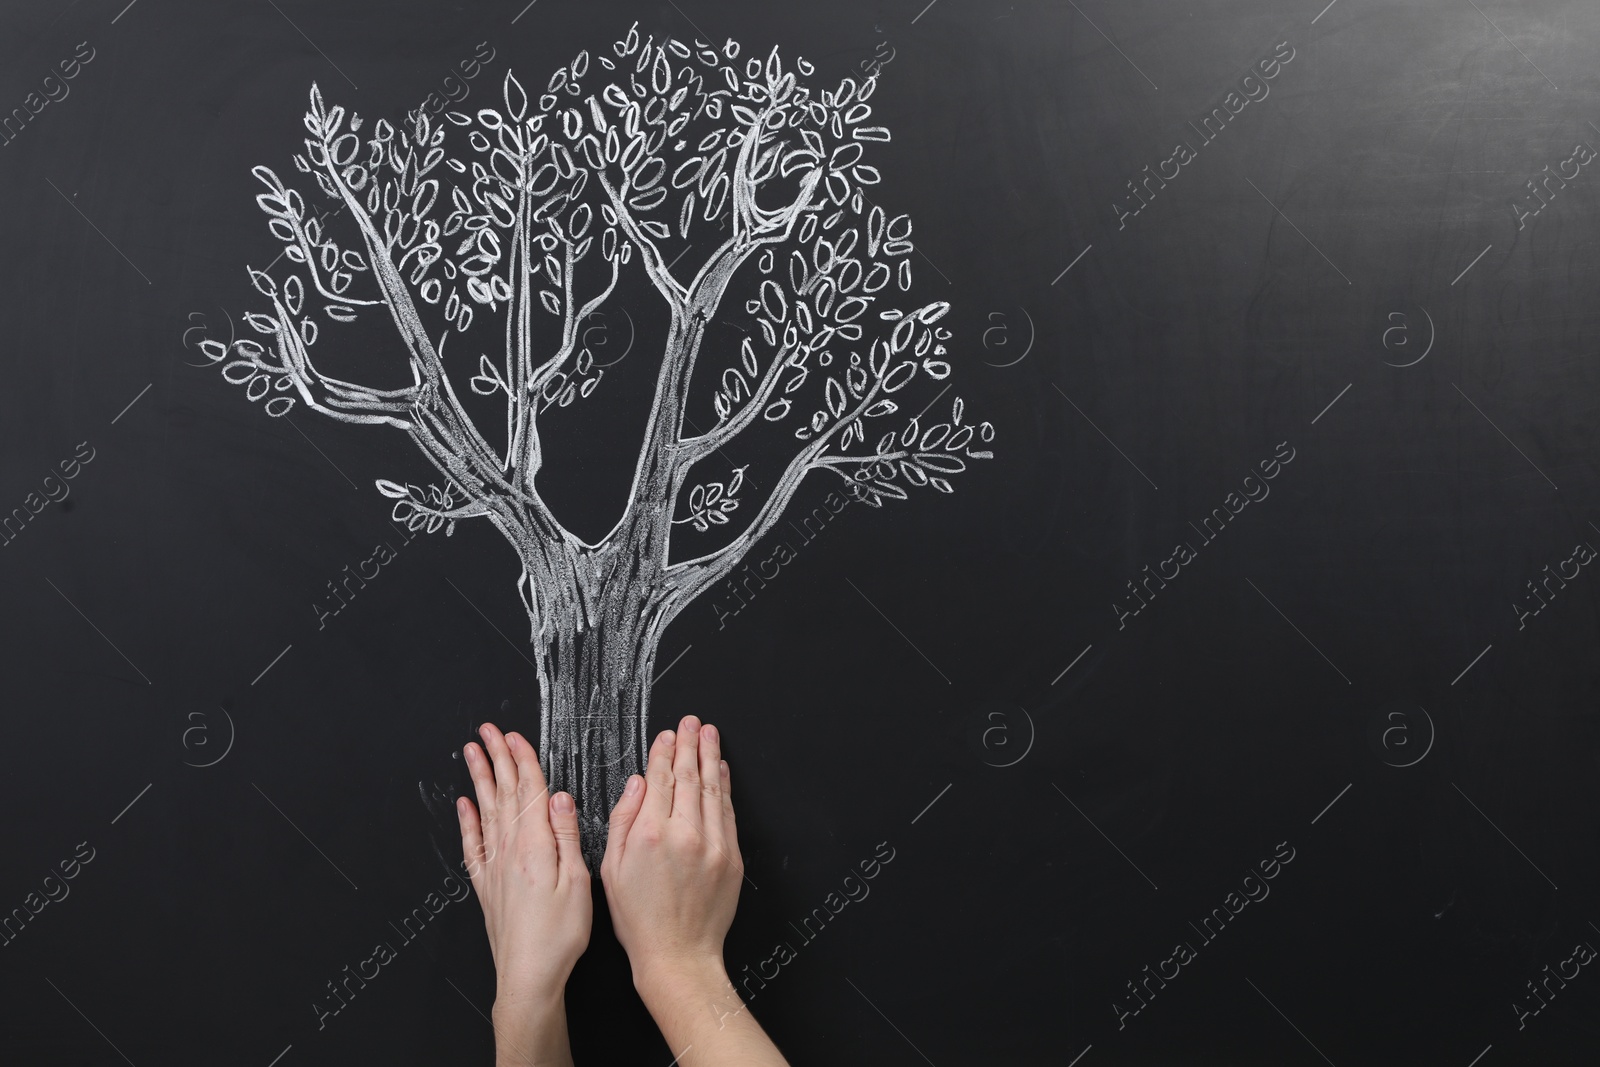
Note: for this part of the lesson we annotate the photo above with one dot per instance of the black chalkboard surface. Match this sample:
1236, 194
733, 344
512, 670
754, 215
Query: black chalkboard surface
1124, 473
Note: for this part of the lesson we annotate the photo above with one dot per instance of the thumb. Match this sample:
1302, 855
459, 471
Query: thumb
622, 817
564, 824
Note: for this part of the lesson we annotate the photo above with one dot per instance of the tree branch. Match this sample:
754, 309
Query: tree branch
834, 463
345, 401
694, 449
569, 332
663, 466
676, 295
690, 578
526, 446
440, 424
310, 253
522, 443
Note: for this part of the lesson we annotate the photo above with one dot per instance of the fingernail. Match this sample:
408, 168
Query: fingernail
635, 783
710, 733
724, 768
561, 804
666, 737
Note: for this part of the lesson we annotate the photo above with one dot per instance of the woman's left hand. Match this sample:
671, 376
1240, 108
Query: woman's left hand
521, 848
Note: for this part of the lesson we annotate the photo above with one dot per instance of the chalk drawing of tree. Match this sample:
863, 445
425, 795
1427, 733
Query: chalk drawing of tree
719, 180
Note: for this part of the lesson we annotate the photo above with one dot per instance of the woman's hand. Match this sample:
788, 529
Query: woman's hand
672, 873
520, 846
672, 867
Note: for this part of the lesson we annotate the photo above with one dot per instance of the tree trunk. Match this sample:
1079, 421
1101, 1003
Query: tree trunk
594, 679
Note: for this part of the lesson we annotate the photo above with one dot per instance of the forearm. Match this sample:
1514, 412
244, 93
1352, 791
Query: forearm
531, 1033
705, 1021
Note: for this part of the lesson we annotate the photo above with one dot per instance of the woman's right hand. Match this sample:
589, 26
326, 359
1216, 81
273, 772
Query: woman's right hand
672, 867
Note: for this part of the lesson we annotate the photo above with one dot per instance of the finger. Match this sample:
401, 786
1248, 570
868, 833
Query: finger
711, 783
471, 837
686, 772
622, 816
482, 781
563, 816
533, 795
729, 829
505, 768
658, 778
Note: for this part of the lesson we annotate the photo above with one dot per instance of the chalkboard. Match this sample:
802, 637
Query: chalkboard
1123, 473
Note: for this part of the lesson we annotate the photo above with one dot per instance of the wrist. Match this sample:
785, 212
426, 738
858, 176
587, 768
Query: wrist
530, 1028
515, 1005
668, 980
